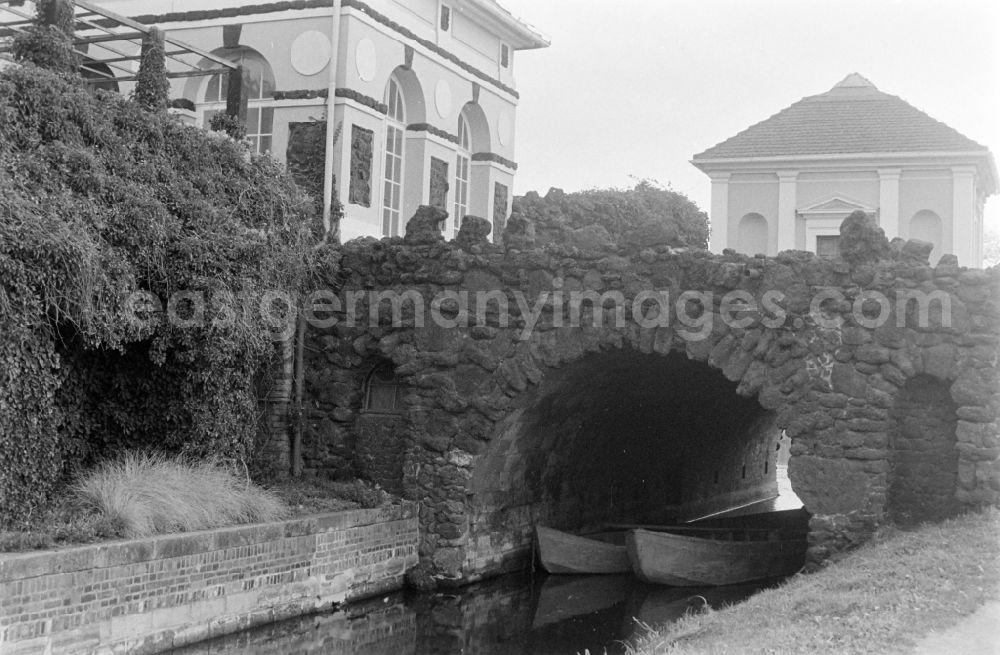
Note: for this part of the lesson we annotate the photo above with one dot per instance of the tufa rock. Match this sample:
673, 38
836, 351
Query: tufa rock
519, 234
589, 237
652, 234
426, 225
474, 234
916, 250
862, 240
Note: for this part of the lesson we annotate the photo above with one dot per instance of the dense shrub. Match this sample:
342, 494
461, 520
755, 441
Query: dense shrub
619, 211
103, 198
223, 122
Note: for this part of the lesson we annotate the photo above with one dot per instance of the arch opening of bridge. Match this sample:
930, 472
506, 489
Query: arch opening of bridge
623, 437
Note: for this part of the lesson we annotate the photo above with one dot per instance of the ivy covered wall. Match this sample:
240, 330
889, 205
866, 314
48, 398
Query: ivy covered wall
104, 199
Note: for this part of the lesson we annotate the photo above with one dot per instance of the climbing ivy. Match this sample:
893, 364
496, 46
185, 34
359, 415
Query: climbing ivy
152, 88
102, 199
48, 40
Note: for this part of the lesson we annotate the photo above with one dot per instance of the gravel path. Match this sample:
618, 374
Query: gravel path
976, 634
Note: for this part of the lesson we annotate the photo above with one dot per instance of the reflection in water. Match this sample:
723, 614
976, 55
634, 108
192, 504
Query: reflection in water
513, 615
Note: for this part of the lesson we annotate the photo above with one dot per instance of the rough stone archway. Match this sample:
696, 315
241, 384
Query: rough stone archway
619, 436
508, 404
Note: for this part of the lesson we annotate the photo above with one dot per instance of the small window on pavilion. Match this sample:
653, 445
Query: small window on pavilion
445, 18
828, 247
383, 392
504, 55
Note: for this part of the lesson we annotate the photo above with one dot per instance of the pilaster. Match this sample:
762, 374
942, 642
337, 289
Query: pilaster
963, 215
787, 181
888, 201
719, 239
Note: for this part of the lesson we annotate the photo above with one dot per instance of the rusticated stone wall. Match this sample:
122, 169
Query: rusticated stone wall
437, 196
360, 188
825, 360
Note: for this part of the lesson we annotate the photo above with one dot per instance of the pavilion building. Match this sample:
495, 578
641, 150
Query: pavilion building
787, 182
417, 96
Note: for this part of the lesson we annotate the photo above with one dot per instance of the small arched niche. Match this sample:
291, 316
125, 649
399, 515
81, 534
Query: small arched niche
752, 234
926, 226
383, 392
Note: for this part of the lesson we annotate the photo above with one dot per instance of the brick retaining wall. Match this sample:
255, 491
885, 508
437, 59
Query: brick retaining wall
148, 595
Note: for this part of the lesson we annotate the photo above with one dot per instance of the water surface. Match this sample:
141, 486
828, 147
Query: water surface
518, 614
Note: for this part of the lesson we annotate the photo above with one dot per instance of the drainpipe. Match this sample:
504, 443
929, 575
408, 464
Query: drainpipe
332, 231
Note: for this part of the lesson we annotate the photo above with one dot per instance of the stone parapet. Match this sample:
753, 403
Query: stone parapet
514, 406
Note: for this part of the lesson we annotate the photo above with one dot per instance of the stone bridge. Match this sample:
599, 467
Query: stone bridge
480, 381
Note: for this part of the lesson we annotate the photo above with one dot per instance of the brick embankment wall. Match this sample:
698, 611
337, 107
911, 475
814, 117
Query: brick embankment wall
149, 595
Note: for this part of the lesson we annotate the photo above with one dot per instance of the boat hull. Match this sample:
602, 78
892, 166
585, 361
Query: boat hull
564, 553
688, 561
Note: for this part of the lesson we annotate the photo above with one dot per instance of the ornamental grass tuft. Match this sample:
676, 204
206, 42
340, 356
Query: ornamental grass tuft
149, 493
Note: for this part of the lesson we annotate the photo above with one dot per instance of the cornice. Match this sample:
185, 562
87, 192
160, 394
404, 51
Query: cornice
275, 7
430, 129
982, 159
495, 158
340, 92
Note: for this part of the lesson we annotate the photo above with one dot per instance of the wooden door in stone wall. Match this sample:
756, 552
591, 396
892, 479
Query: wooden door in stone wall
381, 450
380, 442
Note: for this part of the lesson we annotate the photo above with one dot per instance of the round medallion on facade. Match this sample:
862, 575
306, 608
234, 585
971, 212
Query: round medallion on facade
366, 60
310, 52
505, 129
442, 99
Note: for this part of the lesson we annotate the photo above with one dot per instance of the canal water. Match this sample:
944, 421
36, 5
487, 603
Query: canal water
517, 614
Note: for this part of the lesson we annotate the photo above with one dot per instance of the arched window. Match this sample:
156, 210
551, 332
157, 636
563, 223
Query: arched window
926, 226
752, 236
383, 393
462, 171
98, 75
393, 188
260, 93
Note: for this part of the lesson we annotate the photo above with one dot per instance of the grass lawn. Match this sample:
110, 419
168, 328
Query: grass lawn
881, 598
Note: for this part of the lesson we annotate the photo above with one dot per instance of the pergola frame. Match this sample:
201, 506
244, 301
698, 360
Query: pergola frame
107, 31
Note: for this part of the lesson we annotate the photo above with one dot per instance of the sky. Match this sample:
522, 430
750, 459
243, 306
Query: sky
634, 88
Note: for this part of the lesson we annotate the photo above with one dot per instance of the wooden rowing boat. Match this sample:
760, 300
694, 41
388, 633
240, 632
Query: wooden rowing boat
600, 552
694, 558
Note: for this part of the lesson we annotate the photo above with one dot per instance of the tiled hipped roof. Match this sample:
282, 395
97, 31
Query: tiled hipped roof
852, 117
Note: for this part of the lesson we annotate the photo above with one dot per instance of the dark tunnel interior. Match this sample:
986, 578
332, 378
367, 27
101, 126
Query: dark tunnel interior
627, 436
